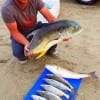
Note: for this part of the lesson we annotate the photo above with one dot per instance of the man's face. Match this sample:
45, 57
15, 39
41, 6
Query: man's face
23, 1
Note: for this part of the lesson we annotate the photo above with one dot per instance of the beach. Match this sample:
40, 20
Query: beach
79, 54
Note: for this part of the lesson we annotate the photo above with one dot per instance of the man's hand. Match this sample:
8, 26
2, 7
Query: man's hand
26, 51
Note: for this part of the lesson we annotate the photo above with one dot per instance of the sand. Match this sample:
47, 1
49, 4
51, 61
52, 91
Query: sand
80, 54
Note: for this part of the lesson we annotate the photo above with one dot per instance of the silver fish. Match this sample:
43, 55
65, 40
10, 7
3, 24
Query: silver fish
60, 79
55, 30
69, 74
57, 84
48, 95
36, 97
54, 90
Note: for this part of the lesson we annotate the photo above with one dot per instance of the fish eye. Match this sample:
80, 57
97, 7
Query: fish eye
75, 27
72, 28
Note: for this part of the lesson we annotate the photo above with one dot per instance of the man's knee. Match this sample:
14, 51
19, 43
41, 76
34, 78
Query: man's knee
17, 49
18, 53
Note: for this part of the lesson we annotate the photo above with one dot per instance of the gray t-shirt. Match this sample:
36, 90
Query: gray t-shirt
26, 19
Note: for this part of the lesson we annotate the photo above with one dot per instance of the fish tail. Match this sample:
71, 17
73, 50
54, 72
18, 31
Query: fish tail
41, 54
30, 34
67, 96
73, 91
93, 75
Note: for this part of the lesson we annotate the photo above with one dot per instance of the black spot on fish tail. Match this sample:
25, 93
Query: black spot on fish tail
74, 91
93, 75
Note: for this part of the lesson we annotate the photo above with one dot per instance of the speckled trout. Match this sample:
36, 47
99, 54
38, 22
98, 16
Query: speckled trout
46, 37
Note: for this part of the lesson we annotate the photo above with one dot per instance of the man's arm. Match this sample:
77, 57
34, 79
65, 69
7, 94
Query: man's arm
16, 34
47, 14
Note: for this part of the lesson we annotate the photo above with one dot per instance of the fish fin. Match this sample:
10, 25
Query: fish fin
46, 48
41, 54
93, 75
31, 34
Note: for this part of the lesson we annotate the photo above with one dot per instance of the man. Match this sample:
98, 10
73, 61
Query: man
20, 17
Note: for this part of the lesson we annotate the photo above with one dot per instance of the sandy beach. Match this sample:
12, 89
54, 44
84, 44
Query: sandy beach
80, 54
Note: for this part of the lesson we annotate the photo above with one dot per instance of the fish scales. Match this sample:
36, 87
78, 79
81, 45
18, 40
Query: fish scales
57, 84
48, 95
60, 79
50, 31
50, 28
54, 90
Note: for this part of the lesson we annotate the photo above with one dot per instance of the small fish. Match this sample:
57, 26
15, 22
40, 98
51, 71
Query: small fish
54, 90
48, 95
43, 37
60, 79
57, 84
36, 97
69, 74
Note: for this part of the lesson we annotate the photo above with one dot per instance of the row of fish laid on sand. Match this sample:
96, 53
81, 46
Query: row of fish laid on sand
55, 88
53, 33
56, 84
